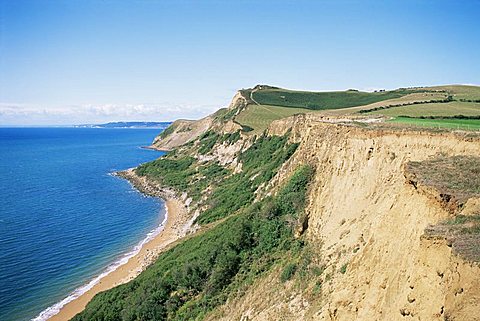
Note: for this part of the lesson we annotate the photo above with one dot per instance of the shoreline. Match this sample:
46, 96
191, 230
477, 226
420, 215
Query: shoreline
176, 224
151, 147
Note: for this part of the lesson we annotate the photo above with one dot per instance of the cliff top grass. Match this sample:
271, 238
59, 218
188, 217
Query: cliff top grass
452, 108
462, 233
323, 100
259, 117
438, 123
457, 176
456, 179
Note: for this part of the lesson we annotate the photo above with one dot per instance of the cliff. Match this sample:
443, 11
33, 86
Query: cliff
367, 223
319, 217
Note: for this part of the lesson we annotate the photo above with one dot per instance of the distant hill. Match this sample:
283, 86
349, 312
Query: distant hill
122, 124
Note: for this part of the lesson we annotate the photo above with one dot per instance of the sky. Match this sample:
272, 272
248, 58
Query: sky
73, 62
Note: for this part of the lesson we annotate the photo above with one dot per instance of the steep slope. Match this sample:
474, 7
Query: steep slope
367, 222
181, 132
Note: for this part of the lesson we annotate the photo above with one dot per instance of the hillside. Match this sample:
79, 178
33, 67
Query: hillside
312, 215
253, 110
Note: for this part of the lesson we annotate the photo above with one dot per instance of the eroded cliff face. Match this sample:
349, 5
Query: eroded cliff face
367, 222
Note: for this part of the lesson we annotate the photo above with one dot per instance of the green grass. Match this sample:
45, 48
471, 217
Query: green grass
463, 124
432, 109
323, 100
259, 117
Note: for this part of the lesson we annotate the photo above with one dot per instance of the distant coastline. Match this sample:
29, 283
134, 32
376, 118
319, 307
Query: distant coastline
123, 124
175, 225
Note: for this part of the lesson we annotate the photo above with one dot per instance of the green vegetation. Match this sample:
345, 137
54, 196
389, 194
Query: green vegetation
167, 131
323, 100
194, 277
260, 163
270, 104
229, 192
183, 174
463, 219
405, 104
258, 117
207, 141
288, 272
343, 269
464, 124
452, 108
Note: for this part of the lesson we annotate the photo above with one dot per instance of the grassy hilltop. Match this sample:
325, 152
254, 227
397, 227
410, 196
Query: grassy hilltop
439, 104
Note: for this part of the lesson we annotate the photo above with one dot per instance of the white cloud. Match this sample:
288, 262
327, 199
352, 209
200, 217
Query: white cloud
28, 114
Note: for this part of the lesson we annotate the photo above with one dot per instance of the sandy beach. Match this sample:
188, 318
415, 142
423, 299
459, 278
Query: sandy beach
176, 226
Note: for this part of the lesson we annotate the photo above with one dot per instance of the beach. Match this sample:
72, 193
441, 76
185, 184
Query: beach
175, 226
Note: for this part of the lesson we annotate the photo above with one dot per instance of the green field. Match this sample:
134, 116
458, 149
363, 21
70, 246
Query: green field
276, 103
323, 100
464, 124
432, 109
259, 117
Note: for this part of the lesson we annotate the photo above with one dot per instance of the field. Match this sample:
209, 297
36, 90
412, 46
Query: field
432, 109
276, 103
464, 124
407, 99
259, 117
323, 100
461, 91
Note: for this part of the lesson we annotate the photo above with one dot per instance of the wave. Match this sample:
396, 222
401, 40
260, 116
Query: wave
55, 309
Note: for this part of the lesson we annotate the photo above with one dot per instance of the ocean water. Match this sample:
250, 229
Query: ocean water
63, 217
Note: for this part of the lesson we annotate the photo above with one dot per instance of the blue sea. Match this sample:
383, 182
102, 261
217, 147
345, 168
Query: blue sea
64, 219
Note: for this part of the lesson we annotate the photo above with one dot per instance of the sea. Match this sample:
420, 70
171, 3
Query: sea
65, 220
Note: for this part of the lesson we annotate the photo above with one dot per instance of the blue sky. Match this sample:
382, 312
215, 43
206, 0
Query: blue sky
67, 62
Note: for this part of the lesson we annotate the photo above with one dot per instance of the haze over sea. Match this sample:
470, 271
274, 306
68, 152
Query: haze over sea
64, 218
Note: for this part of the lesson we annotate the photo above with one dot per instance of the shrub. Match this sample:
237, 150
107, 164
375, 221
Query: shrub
288, 272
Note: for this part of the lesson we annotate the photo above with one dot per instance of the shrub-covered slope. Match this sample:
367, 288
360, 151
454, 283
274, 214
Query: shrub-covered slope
204, 271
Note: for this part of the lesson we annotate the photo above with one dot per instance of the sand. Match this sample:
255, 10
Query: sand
176, 226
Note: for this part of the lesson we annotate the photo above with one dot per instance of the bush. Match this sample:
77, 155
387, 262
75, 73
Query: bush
288, 272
